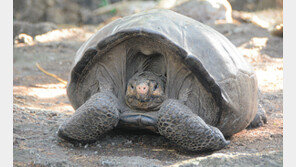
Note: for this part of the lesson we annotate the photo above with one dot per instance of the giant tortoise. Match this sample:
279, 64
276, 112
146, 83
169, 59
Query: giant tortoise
165, 72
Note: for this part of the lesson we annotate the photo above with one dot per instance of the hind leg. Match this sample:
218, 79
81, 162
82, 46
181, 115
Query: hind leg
259, 120
96, 116
177, 123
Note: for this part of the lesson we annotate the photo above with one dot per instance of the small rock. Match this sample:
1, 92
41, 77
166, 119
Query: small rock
278, 30
23, 39
45, 132
129, 142
205, 11
52, 114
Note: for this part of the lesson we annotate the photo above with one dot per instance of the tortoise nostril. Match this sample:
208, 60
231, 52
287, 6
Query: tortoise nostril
142, 89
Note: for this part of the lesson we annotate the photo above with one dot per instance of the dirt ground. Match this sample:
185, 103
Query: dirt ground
41, 105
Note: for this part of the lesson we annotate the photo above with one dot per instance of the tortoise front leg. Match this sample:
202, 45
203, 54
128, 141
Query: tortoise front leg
177, 123
96, 116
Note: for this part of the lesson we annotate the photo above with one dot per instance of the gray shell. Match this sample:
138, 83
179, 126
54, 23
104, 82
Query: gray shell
211, 57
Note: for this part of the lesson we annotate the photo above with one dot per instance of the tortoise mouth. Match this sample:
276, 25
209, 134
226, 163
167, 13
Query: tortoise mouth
143, 99
146, 103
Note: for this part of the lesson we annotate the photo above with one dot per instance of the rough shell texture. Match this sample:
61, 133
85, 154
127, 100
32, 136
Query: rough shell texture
211, 57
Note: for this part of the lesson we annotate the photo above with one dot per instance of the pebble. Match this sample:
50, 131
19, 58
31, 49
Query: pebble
52, 114
107, 163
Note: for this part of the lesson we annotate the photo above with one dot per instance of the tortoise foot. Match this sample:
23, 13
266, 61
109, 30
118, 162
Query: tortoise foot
259, 120
177, 123
96, 116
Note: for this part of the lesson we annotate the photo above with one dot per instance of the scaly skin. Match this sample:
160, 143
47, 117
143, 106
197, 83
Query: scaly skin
259, 120
177, 123
96, 116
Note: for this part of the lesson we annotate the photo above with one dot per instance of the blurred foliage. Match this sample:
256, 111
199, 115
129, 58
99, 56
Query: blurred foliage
113, 11
104, 3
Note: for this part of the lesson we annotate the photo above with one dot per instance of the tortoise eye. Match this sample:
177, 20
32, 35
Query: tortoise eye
155, 87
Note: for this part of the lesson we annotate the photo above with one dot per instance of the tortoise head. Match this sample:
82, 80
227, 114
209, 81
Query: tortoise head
145, 91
